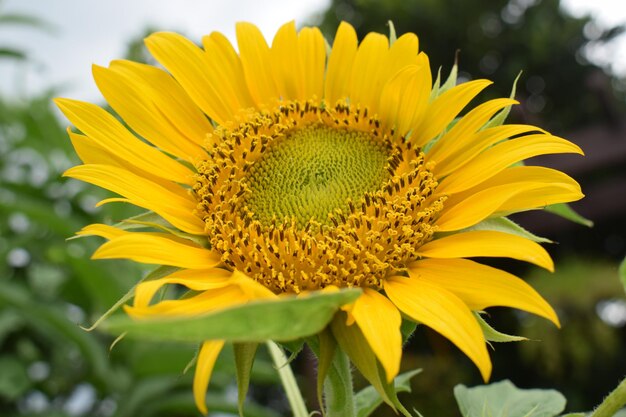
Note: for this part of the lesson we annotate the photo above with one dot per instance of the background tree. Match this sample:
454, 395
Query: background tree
498, 39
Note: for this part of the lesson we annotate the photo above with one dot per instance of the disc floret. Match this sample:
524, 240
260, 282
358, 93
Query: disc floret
306, 196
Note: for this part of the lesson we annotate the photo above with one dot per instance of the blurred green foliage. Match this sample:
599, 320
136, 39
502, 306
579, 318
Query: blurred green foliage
49, 366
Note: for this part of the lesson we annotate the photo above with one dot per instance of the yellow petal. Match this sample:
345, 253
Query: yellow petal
481, 286
516, 196
405, 97
462, 133
206, 302
286, 69
487, 243
256, 60
312, 54
501, 156
158, 249
522, 174
367, 70
194, 279
445, 108
109, 133
225, 63
380, 320
91, 153
102, 230
539, 198
443, 312
113, 200
169, 97
402, 52
204, 367
175, 207
477, 143
228, 64
132, 102
340, 64
192, 69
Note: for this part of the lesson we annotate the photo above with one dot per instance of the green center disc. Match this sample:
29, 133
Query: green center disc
314, 171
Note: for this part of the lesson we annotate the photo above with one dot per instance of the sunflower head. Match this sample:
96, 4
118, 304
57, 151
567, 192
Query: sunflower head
308, 196
284, 169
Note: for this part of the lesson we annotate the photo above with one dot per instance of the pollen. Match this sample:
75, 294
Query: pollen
308, 196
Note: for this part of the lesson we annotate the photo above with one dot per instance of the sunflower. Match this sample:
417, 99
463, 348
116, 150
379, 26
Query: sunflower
284, 170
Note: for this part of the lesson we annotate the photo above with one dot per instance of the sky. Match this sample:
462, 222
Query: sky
89, 31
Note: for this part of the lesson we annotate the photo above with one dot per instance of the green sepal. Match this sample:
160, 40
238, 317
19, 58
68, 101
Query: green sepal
392, 33
294, 347
500, 118
354, 344
327, 348
407, 328
504, 398
327, 47
492, 335
244, 359
434, 92
288, 318
159, 272
352, 341
337, 382
506, 225
368, 399
451, 80
565, 210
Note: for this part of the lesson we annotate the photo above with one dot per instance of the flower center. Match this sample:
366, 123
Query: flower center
307, 196
314, 171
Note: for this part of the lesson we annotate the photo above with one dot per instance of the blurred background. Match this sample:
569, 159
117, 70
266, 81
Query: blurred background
573, 57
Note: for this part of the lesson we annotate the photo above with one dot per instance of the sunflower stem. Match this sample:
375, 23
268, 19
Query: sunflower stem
611, 404
338, 389
294, 396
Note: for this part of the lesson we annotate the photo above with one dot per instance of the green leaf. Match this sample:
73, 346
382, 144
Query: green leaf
25, 20
580, 415
368, 400
622, 273
12, 53
244, 359
503, 224
14, 381
504, 113
492, 335
283, 319
53, 323
564, 210
503, 399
